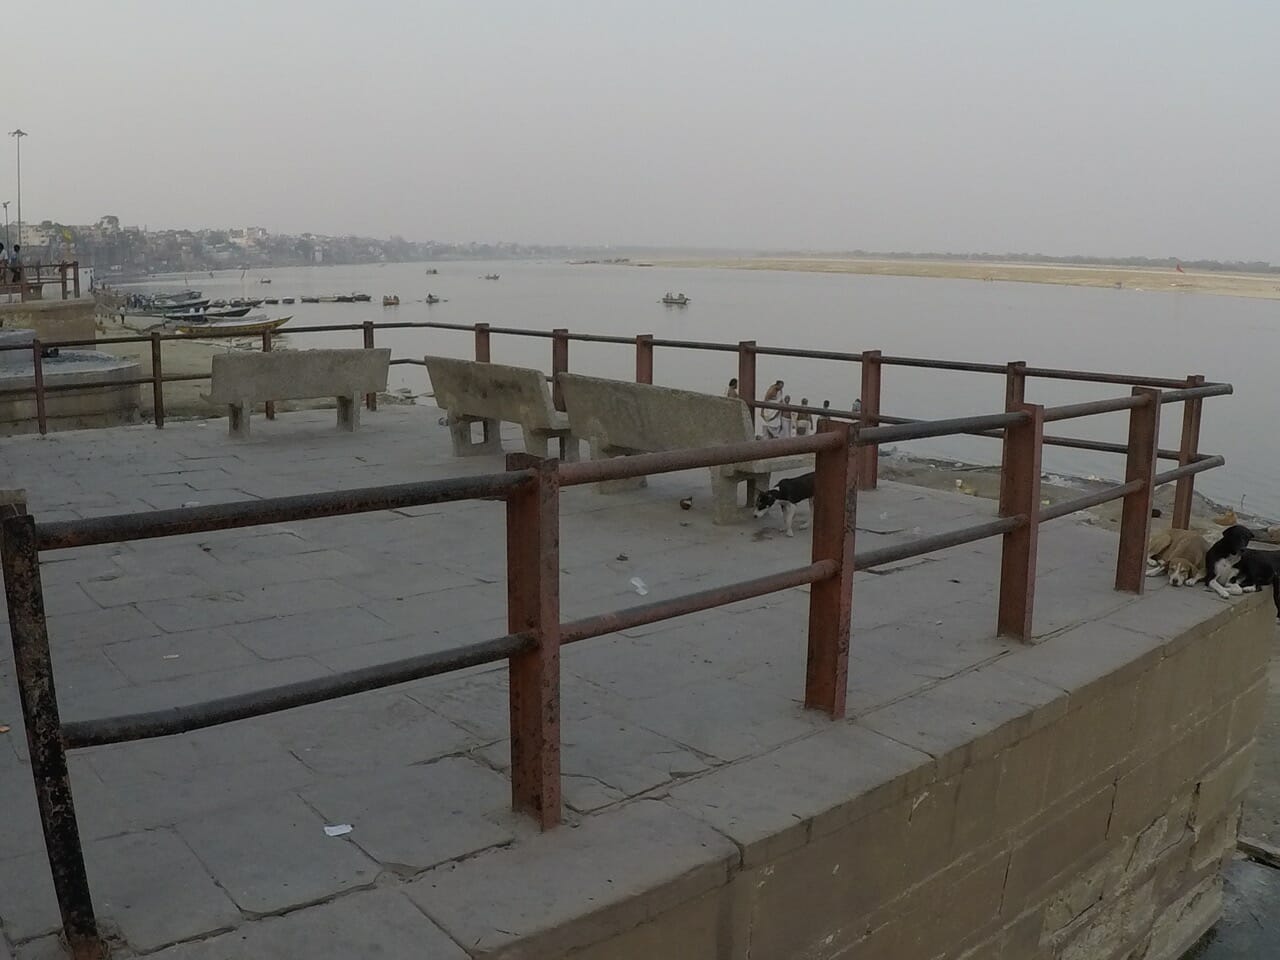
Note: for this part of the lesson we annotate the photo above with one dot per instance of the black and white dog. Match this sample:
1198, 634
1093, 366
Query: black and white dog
1256, 570
789, 493
1221, 558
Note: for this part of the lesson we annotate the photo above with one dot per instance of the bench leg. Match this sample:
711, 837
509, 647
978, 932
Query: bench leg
464, 446
238, 420
724, 497
535, 444
348, 413
615, 486
569, 448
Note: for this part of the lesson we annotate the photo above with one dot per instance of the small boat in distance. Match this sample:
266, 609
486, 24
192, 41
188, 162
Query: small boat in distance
490, 276
286, 299
431, 271
675, 299
361, 297
271, 300
264, 279
305, 300
258, 323
392, 301
210, 313
432, 298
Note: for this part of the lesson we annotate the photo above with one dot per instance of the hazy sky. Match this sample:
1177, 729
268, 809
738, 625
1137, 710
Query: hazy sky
1112, 127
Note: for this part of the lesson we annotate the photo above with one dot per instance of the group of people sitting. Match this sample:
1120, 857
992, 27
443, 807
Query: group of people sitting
785, 423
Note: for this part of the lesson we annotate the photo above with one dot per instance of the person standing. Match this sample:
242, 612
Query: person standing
15, 264
804, 422
788, 419
771, 420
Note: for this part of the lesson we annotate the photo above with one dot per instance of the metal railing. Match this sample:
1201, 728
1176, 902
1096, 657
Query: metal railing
535, 634
32, 278
872, 364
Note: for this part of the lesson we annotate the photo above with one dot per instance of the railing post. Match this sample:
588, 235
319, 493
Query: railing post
533, 608
1015, 395
370, 399
75, 275
157, 381
644, 358
270, 405
37, 360
33, 667
482, 342
747, 376
1020, 496
1135, 516
835, 503
62, 275
559, 364
1184, 492
870, 396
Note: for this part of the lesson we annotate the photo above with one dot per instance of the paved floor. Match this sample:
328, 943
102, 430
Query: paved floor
193, 836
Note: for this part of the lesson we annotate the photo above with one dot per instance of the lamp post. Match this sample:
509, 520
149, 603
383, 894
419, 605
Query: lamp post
17, 136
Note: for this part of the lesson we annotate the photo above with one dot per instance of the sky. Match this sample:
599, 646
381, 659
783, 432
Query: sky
1102, 128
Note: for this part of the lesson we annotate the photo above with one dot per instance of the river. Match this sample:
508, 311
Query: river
1120, 331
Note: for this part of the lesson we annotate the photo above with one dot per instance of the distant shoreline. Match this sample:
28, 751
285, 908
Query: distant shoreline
1260, 286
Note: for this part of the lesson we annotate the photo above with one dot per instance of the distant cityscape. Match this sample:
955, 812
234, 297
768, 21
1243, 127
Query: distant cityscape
109, 247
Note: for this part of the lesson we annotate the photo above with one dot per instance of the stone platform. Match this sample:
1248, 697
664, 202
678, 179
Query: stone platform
1071, 799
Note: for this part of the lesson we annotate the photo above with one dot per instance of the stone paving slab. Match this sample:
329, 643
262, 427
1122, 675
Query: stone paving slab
656, 721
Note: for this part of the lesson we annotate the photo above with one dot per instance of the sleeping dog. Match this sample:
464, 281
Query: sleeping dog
1180, 553
1254, 570
789, 493
1221, 559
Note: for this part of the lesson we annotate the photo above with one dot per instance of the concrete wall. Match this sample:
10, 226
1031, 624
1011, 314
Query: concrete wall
52, 319
106, 405
1087, 826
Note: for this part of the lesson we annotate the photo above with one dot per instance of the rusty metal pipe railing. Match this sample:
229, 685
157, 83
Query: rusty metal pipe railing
249, 513
1196, 393
196, 716
1191, 469
641, 614
1076, 504
938, 428
1090, 408
870, 559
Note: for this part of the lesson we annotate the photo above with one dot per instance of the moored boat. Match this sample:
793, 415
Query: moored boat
259, 323
675, 299
392, 301
490, 276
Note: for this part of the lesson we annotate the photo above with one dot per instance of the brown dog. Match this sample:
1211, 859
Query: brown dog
1179, 553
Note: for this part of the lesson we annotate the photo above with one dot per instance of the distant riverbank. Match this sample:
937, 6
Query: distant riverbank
1261, 286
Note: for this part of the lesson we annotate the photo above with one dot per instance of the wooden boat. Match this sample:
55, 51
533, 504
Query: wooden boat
286, 299
264, 279
431, 271
432, 298
344, 298
271, 300
361, 297
211, 313
675, 299
254, 324
490, 276
391, 301
306, 300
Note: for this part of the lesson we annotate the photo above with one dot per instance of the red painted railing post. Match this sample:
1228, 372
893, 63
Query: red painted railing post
1184, 492
33, 668
1015, 395
157, 381
370, 399
835, 504
559, 364
270, 405
37, 360
1135, 515
1020, 496
75, 275
747, 376
644, 358
870, 397
533, 608
482, 343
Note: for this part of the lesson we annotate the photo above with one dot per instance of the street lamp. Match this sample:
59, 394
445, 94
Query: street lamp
17, 136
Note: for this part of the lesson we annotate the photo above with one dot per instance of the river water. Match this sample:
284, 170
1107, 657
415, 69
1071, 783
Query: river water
1119, 331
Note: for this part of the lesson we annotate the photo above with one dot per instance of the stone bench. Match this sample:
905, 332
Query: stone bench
242, 379
492, 393
619, 418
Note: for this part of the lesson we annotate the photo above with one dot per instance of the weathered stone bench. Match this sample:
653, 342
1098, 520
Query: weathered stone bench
619, 418
242, 379
492, 393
